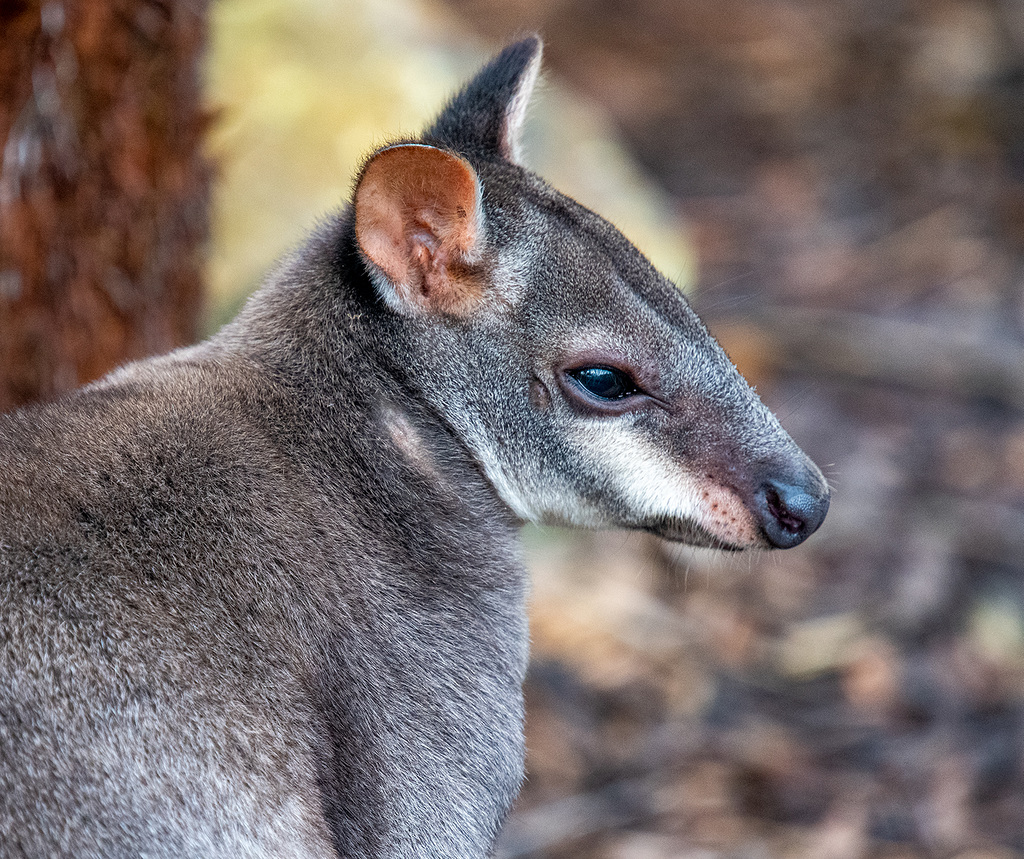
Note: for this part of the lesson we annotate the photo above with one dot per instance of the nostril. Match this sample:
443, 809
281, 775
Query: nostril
790, 514
786, 518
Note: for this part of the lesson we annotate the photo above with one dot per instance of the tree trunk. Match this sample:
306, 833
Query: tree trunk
103, 187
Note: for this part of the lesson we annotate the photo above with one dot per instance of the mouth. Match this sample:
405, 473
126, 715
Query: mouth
692, 534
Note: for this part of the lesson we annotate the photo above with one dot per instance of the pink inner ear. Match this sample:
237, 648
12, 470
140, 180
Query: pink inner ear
418, 221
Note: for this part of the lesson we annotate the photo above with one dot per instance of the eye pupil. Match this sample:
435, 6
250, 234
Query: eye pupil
605, 382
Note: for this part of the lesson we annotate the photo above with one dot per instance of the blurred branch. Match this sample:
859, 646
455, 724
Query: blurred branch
927, 357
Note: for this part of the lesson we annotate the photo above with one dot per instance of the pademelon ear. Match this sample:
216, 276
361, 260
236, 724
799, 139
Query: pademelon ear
419, 223
486, 117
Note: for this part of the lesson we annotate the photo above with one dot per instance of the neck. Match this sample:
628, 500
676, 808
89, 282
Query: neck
434, 651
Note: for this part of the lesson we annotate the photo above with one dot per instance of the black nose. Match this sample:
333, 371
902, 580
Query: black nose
790, 514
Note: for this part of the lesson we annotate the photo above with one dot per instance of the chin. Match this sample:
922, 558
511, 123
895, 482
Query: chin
693, 534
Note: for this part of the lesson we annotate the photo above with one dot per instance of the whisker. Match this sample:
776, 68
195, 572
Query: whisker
795, 401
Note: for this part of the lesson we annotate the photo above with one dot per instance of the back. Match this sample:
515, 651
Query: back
124, 718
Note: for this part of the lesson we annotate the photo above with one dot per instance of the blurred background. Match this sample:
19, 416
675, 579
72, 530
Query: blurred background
840, 188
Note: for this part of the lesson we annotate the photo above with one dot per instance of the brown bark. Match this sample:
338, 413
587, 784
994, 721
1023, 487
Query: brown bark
103, 187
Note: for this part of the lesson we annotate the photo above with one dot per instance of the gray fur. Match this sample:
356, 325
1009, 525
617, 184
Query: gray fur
263, 597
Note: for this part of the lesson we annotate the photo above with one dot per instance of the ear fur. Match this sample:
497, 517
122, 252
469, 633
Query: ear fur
486, 117
418, 220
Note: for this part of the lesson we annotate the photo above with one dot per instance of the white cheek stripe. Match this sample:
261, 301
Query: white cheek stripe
652, 485
545, 500
645, 486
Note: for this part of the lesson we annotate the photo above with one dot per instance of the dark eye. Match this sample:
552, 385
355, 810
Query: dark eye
605, 382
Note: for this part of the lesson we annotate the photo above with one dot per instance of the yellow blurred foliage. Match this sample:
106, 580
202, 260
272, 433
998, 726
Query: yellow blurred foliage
304, 89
